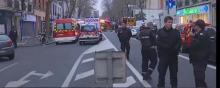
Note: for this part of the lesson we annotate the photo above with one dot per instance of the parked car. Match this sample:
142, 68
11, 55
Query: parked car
6, 47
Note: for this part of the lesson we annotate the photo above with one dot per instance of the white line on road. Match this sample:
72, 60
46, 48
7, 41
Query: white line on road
72, 72
137, 74
7, 67
84, 75
130, 81
210, 66
87, 60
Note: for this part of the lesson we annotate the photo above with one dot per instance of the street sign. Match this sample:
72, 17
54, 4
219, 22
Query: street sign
110, 67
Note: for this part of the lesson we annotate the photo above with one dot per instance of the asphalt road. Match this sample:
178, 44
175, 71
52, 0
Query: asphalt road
72, 65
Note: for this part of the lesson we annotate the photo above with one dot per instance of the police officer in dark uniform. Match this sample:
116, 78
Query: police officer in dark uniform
199, 53
168, 47
124, 35
142, 26
148, 42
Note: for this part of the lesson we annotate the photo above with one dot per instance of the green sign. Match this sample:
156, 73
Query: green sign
193, 10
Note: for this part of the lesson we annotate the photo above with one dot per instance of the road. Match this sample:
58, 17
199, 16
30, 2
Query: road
72, 65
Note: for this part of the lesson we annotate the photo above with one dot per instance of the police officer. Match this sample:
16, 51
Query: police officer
142, 26
168, 47
124, 35
148, 42
199, 53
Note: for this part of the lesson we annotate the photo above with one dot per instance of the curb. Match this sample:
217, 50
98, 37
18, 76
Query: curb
23, 45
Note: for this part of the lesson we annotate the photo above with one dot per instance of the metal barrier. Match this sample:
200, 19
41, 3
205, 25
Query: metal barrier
110, 67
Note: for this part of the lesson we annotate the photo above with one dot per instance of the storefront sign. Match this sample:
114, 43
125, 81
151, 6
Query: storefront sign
193, 10
29, 18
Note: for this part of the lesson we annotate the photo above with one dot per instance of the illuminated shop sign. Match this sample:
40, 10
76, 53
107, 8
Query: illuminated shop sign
193, 10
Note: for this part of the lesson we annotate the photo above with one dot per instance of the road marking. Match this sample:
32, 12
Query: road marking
84, 75
137, 74
87, 60
187, 58
106, 44
7, 67
72, 72
24, 80
79, 59
130, 81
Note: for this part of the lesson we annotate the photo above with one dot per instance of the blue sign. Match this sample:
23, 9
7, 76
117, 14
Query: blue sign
170, 3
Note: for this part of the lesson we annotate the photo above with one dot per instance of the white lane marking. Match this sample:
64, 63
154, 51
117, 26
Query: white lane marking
130, 81
72, 72
24, 80
7, 67
87, 60
79, 59
137, 74
187, 58
84, 75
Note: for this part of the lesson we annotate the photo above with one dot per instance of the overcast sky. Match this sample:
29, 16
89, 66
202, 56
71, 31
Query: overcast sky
99, 7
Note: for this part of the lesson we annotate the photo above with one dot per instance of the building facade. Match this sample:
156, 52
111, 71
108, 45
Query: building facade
40, 12
196, 9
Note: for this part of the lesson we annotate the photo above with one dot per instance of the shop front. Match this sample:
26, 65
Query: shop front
194, 13
5, 21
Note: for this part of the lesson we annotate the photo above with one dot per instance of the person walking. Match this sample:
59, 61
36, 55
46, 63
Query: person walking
124, 35
148, 42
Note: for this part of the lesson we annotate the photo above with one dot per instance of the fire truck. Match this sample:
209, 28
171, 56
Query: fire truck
65, 30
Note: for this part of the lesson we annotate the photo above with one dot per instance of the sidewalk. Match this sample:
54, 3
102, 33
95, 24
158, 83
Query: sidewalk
32, 41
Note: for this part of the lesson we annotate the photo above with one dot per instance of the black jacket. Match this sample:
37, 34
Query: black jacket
147, 38
168, 41
13, 35
124, 34
200, 47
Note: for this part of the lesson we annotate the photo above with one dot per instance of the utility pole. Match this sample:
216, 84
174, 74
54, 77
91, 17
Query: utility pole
48, 12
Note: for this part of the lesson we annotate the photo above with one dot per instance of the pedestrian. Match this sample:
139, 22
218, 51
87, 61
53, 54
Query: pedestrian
124, 35
152, 27
168, 47
13, 35
199, 53
148, 42
142, 26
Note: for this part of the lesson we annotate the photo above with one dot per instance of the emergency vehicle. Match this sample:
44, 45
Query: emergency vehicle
131, 21
105, 24
65, 30
90, 31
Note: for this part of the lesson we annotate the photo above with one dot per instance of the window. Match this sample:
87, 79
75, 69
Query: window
88, 28
60, 26
68, 26
64, 26
4, 38
194, 1
187, 2
179, 3
29, 8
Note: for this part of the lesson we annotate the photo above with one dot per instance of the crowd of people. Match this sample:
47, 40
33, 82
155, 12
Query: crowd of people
162, 47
